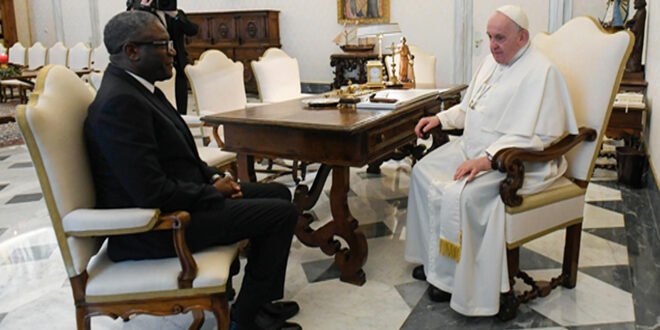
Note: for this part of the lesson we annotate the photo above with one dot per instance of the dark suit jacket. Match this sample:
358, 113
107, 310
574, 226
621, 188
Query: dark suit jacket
143, 155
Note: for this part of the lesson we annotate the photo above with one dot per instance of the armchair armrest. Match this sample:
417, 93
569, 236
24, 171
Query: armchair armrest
510, 161
111, 222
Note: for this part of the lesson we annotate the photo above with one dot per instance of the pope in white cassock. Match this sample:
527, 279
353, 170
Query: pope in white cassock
455, 223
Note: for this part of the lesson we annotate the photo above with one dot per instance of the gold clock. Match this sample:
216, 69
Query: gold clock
375, 72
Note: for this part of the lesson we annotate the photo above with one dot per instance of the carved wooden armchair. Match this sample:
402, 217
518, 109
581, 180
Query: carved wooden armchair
52, 126
592, 62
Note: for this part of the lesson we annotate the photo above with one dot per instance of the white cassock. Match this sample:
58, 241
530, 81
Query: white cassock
525, 104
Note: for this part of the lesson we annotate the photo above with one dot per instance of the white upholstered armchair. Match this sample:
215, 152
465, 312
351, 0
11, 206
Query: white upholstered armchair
213, 156
52, 127
592, 62
278, 76
217, 85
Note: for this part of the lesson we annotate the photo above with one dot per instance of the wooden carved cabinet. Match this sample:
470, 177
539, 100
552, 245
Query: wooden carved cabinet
242, 35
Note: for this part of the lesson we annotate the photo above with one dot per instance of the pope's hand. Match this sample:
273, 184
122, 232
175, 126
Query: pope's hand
146, 3
228, 187
425, 125
472, 167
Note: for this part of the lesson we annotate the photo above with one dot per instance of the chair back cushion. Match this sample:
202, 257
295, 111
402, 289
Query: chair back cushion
17, 54
424, 67
217, 83
95, 79
57, 54
277, 75
36, 56
100, 58
79, 57
592, 62
52, 127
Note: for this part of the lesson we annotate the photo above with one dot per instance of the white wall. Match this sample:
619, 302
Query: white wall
307, 27
44, 31
653, 78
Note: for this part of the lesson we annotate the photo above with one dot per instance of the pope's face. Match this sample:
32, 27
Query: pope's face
506, 38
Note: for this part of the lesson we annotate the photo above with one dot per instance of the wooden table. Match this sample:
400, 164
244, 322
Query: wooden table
629, 124
337, 141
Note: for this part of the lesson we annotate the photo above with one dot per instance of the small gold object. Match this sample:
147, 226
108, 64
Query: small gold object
375, 73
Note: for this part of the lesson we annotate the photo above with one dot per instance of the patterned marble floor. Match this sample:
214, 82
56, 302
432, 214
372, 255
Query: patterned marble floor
618, 283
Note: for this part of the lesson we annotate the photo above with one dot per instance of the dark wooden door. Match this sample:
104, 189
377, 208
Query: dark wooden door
8, 23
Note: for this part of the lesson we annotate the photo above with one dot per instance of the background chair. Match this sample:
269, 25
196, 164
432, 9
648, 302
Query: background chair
278, 79
17, 55
213, 156
423, 66
79, 56
57, 54
36, 56
217, 85
593, 85
95, 79
278, 76
52, 127
99, 58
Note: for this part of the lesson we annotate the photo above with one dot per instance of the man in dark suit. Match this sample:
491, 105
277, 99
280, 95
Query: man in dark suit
143, 155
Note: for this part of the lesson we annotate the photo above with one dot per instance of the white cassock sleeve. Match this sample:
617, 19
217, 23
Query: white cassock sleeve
454, 118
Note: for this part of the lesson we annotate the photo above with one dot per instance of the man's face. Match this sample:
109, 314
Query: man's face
506, 39
154, 55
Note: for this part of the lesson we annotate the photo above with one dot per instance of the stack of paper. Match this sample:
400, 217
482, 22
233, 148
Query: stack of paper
396, 98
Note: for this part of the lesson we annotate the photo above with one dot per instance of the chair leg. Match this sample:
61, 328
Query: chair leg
508, 301
82, 322
220, 309
571, 255
294, 171
198, 319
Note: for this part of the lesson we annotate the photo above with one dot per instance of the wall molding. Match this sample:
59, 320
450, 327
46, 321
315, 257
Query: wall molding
95, 38
559, 12
463, 41
59, 20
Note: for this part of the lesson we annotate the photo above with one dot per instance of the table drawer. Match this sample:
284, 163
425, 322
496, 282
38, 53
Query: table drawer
392, 134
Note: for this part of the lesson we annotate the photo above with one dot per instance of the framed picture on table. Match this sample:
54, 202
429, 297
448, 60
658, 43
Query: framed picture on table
363, 11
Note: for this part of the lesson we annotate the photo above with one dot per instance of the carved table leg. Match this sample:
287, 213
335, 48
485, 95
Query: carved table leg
246, 168
349, 259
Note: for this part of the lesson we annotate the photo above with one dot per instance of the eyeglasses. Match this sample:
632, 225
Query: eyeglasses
157, 43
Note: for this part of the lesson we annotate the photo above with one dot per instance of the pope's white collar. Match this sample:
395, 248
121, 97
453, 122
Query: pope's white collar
519, 54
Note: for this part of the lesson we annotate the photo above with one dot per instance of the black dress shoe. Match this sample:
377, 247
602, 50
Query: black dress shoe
281, 309
418, 273
290, 326
438, 295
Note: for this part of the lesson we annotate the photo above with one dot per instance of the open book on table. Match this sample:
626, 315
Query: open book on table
391, 99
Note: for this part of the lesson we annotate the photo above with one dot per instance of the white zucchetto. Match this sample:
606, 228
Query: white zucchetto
516, 14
